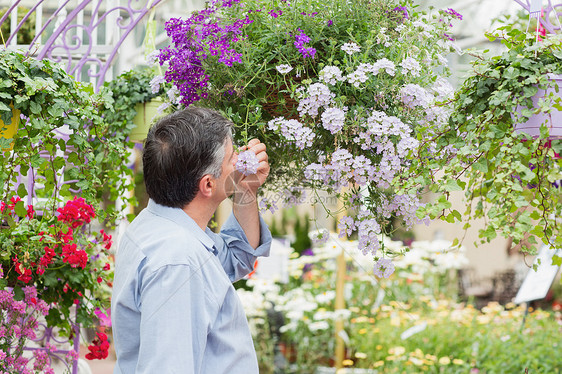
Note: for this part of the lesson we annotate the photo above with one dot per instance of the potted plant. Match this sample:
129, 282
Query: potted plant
54, 181
344, 94
510, 175
135, 103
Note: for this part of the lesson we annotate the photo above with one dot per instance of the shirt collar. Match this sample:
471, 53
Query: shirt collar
180, 217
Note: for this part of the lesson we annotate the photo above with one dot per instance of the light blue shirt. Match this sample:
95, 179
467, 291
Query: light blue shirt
174, 309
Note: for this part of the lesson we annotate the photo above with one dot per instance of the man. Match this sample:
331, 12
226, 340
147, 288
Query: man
174, 308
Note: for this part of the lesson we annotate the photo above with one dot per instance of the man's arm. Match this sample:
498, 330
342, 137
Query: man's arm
245, 204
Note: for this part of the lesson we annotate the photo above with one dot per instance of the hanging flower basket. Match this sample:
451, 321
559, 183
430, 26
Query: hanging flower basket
10, 130
552, 120
146, 114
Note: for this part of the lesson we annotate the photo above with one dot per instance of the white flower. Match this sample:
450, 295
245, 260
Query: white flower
350, 48
152, 57
320, 325
156, 82
331, 75
383, 64
412, 66
284, 68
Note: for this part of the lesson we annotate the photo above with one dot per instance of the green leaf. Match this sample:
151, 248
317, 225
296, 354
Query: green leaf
556, 260
20, 209
530, 91
34, 107
18, 294
452, 185
37, 161
481, 165
22, 191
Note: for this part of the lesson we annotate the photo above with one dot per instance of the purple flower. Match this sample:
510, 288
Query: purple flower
274, 14
329, 23
247, 163
300, 40
403, 10
453, 13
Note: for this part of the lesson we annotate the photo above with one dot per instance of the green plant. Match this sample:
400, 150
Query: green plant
63, 148
127, 90
511, 179
26, 32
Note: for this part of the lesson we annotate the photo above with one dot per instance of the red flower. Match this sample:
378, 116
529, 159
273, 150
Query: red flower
30, 211
106, 266
25, 274
74, 257
106, 239
99, 348
76, 212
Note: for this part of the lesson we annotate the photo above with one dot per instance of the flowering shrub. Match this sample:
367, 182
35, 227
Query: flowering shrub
58, 256
345, 94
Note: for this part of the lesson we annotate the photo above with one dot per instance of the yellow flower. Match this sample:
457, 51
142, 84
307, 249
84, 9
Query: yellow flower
362, 331
431, 357
347, 362
378, 364
360, 355
458, 361
444, 360
378, 347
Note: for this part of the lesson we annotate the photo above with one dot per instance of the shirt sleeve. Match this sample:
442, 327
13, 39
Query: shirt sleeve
234, 251
174, 313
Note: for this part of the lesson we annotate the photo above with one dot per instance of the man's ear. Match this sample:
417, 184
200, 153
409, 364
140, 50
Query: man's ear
207, 185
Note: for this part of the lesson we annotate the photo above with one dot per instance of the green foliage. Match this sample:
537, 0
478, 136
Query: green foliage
62, 137
26, 32
510, 179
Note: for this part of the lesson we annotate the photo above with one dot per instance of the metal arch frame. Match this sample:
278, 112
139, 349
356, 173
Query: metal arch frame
58, 41
548, 11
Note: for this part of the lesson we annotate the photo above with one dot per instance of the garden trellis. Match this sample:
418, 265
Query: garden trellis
84, 35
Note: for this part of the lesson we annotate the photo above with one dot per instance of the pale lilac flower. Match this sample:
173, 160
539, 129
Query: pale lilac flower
412, 66
152, 58
405, 145
247, 163
320, 237
360, 74
350, 48
284, 68
414, 95
384, 268
362, 170
316, 172
333, 119
156, 82
174, 95
293, 131
443, 89
368, 230
162, 108
346, 226
318, 95
267, 205
331, 75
